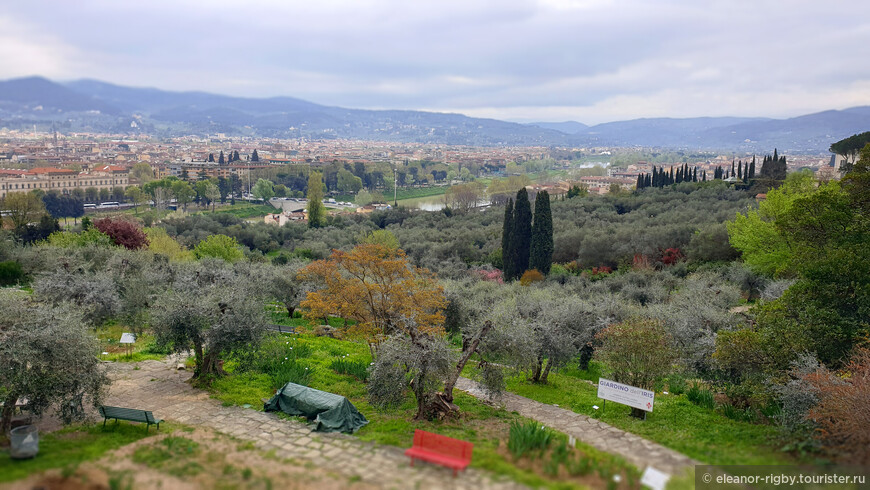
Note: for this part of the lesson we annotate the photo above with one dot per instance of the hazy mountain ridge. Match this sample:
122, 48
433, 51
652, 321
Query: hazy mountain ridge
98, 106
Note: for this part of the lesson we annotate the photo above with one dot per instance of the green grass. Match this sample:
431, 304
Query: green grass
245, 210
402, 194
676, 422
71, 446
529, 436
395, 426
144, 348
280, 318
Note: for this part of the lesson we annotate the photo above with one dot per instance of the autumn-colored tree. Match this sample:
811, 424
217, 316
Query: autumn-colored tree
122, 232
531, 276
842, 413
376, 286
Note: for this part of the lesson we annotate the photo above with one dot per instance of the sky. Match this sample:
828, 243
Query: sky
591, 61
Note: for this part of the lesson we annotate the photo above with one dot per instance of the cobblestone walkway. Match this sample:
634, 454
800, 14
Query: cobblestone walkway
156, 386
634, 449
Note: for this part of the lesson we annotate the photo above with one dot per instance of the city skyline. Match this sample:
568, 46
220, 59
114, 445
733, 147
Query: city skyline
590, 61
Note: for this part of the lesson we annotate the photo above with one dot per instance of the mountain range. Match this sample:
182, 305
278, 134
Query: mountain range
91, 105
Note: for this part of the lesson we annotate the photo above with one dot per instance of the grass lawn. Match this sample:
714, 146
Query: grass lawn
279, 317
245, 210
402, 194
144, 349
677, 423
485, 426
72, 445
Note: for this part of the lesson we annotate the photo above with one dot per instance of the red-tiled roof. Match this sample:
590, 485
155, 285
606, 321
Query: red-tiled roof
111, 168
50, 170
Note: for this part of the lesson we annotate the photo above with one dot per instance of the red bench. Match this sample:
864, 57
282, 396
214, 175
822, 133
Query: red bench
439, 449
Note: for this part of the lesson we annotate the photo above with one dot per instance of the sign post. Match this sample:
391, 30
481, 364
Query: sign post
128, 339
627, 395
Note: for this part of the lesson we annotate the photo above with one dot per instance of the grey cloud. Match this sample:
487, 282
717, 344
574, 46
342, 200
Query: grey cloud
466, 55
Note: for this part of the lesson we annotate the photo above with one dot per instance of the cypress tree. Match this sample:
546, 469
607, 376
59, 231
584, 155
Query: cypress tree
507, 262
695, 174
638, 185
655, 177
254, 156
221, 160
211, 157
704, 176
648, 182
752, 168
740, 170
541, 253
522, 233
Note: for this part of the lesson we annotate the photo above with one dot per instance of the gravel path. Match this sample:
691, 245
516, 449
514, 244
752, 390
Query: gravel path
158, 387
634, 449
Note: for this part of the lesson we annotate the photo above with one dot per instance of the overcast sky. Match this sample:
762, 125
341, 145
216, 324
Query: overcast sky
552, 60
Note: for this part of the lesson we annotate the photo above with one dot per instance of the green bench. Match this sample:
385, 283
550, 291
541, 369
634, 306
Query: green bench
130, 414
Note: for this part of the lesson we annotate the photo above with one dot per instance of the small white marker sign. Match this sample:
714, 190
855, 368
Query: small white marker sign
128, 338
654, 478
627, 395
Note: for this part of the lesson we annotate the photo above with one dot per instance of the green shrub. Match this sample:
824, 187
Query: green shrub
10, 273
731, 411
771, 410
289, 371
530, 436
734, 413
357, 369
677, 385
701, 396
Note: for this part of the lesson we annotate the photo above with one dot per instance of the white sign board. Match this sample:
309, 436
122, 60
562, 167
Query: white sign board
654, 478
627, 395
128, 338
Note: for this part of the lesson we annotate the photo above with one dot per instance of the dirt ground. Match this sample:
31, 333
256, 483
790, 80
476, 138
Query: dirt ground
191, 459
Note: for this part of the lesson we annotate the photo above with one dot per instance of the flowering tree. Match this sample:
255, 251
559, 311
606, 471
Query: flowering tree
123, 233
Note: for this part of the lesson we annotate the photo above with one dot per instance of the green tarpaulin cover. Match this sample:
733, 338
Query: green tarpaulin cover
330, 412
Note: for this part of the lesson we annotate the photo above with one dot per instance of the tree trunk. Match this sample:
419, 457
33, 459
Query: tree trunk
536, 376
470, 349
290, 310
441, 404
546, 371
8, 411
198, 357
212, 365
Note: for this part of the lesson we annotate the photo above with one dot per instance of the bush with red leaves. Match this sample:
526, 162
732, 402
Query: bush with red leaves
843, 411
671, 256
124, 233
491, 275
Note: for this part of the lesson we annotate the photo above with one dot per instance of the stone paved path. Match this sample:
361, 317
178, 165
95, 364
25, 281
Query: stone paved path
633, 448
156, 386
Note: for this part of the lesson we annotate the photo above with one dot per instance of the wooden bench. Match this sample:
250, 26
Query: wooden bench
439, 449
129, 414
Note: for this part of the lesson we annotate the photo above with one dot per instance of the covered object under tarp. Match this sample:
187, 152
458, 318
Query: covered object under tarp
330, 412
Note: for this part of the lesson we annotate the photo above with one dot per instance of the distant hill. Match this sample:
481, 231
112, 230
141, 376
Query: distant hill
92, 105
36, 94
567, 127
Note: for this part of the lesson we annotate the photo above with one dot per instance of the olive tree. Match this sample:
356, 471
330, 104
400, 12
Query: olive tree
93, 293
637, 352
211, 311
49, 357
